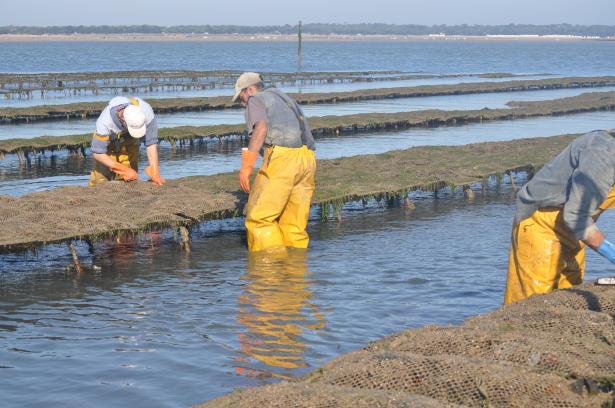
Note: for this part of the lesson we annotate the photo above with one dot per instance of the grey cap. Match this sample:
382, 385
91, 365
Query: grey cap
245, 80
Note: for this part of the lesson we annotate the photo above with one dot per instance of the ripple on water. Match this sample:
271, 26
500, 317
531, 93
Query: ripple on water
156, 326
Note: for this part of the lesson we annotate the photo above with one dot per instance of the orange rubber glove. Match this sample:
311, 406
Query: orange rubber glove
248, 158
127, 173
154, 174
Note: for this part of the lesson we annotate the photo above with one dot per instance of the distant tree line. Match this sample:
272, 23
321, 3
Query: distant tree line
324, 29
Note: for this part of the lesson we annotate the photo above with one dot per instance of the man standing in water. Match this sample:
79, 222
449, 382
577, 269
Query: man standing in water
280, 199
115, 144
556, 217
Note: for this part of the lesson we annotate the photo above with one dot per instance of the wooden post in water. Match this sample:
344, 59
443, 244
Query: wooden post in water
73, 252
408, 203
338, 214
300, 49
511, 176
469, 193
184, 237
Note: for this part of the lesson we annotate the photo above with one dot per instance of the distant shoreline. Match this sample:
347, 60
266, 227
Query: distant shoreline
288, 38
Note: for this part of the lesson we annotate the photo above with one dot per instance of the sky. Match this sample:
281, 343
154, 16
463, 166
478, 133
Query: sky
274, 12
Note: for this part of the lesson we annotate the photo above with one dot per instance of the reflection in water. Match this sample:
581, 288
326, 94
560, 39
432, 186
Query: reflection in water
121, 250
276, 309
160, 328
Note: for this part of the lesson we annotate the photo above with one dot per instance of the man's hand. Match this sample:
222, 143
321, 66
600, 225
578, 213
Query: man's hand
250, 154
152, 170
248, 158
594, 238
596, 241
127, 173
154, 175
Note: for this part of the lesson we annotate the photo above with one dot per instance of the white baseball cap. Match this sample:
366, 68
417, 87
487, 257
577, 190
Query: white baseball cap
245, 80
135, 121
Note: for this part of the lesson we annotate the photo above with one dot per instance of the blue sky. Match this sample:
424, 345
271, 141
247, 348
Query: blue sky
264, 12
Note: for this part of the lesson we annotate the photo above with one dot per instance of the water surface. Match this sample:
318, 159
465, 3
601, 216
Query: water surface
157, 327
45, 172
435, 57
55, 98
236, 116
152, 326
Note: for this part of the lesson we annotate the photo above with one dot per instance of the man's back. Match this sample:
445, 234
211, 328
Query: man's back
577, 180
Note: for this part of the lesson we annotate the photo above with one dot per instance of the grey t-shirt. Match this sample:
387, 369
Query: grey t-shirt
255, 112
577, 180
286, 123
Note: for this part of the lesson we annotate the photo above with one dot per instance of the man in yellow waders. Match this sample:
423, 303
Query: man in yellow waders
556, 218
115, 144
279, 203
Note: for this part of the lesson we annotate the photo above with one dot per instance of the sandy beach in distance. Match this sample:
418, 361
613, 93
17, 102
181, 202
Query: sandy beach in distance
278, 37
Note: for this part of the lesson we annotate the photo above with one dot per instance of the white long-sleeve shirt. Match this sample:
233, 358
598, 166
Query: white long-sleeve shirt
108, 125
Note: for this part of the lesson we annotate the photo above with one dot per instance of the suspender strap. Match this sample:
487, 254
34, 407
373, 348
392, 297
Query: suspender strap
300, 118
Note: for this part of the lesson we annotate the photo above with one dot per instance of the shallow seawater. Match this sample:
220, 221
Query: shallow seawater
44, 173
66, 97
236, 116
153, 326
439, 57
147, 325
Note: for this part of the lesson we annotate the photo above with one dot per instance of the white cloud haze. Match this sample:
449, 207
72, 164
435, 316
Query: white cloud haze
265, 12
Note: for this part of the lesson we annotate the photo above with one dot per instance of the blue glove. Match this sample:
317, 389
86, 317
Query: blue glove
607, 250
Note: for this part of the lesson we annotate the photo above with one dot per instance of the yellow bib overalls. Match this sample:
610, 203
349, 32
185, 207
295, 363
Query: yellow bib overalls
123, 149
544, 255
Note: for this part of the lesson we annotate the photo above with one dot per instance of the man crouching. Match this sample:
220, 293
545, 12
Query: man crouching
115, 144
